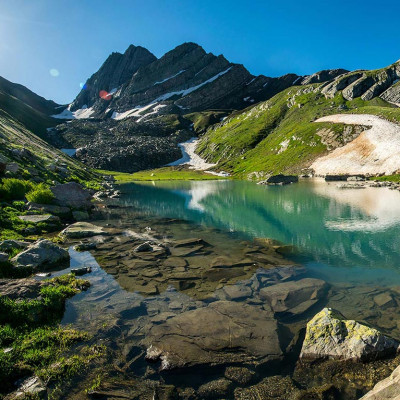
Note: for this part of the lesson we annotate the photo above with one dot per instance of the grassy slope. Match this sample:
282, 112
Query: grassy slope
13, 135
251, 141
161, 174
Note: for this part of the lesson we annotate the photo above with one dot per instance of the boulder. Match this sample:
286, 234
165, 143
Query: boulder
330, 335
3, 257
72, 194
294, 297
82, 230
387, 389
9, 244
223, 332
43, 253
282, 179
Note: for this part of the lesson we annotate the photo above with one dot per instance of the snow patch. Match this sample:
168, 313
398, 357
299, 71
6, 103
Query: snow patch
134, 112
189, 157
375, 151
167, 79
82, 113
191, 89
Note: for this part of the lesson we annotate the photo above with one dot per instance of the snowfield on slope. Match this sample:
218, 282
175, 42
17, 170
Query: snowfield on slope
189, 157
374, 151
193, 160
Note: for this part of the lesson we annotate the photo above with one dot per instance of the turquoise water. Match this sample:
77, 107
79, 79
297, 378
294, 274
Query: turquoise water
342, 235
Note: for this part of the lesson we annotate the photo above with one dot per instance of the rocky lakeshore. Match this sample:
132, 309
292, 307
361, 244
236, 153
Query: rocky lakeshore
178, 310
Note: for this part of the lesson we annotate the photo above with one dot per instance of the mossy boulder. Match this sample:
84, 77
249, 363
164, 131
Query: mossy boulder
330, 335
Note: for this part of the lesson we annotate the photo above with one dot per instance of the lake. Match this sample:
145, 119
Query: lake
199, 308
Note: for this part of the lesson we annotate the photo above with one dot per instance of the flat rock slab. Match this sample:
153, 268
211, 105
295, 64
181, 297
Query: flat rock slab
20, 288
294, 297
82, 230
223, 332
330, 335
42, 254
45, 218
189, 242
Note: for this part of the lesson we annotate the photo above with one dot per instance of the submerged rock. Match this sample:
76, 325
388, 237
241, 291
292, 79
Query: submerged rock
223, 332
387, 389
82, 230
294, 297
330, 335
42, 254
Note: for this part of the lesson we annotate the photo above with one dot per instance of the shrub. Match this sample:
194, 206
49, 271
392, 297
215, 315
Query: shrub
15, 189
40, 194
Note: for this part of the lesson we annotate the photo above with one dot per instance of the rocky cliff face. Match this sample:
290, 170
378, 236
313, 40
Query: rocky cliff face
116, 70
187, 77
367, 84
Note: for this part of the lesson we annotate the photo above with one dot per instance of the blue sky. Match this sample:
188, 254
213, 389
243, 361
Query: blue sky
74, 37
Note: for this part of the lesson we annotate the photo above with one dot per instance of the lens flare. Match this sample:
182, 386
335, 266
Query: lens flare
54, 72
105, 95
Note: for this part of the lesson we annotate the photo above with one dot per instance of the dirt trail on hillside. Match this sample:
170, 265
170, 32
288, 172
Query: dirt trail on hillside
374, 151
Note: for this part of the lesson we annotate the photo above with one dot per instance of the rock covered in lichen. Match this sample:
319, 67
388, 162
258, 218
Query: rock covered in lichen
330, 335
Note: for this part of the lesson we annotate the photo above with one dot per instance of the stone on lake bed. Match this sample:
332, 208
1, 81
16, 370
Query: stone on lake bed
330, 335
223, 332
384, 300
294, 297
43, 253
189, 242
387, 389
82, 230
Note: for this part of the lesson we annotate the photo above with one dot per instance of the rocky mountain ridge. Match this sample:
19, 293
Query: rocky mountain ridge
186, 79
132, 113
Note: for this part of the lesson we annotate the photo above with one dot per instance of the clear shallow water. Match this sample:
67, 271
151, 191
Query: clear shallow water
349, 238
349, 235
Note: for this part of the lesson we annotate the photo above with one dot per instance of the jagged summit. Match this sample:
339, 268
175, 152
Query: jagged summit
116, 70
186, 78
